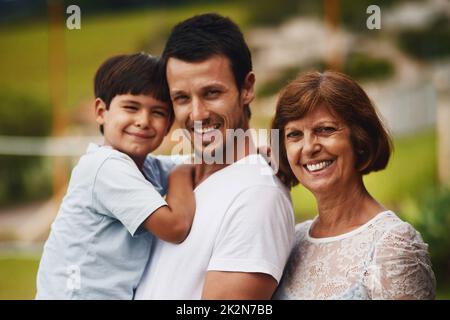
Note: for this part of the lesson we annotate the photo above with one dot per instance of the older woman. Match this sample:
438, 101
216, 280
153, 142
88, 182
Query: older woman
355, 248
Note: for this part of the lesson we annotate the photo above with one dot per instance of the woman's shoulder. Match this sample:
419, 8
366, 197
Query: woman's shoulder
402, 262
393, 228
400, 239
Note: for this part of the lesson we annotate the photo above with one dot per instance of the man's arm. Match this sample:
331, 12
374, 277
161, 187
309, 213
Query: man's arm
252, 246
220, 285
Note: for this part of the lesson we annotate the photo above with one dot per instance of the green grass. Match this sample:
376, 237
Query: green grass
411, 169
18, 277
443, 293
24, 58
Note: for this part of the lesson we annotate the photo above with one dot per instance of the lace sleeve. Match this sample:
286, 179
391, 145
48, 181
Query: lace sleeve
401, 267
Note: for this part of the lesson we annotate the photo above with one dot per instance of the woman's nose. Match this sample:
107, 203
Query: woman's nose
311, 144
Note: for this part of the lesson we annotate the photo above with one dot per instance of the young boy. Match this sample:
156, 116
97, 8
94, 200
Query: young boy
101, 239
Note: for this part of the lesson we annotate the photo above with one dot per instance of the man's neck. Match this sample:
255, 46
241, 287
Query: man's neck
203, 170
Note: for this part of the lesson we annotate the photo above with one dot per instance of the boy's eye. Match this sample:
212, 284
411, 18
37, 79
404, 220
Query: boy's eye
160, 113
130, 108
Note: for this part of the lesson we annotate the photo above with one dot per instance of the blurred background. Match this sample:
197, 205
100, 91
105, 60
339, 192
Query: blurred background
47, 111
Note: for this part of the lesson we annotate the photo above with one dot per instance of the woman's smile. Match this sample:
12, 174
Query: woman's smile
319, 149
319, 167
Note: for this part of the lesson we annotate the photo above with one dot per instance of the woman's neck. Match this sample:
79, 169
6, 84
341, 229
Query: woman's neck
341, 212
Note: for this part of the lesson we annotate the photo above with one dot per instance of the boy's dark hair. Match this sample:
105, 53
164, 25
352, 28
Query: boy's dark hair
135, 74
202, 36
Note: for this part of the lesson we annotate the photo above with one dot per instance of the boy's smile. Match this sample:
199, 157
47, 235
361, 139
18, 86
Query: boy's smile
133, 124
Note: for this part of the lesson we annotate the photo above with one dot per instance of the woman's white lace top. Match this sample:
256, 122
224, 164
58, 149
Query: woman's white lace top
385, 258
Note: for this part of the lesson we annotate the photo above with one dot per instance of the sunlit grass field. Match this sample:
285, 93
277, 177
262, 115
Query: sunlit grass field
18, 277
24, 58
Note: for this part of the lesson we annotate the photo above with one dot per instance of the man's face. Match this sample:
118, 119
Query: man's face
206, 100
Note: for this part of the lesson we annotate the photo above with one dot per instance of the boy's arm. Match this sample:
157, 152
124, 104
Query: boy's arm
172, 223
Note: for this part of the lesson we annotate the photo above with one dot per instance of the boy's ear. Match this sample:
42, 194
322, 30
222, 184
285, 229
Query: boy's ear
100, 108
248, 90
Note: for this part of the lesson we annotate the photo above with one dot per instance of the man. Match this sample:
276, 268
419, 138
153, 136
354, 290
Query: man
244, 225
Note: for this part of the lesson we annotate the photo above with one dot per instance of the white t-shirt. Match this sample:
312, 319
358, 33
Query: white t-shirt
244, 222
97, 248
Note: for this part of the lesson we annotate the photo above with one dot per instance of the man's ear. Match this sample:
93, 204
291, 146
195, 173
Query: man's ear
248, 90
100, 108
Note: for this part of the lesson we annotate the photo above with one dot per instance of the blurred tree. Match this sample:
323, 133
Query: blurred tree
363, 67
431, 216
21, 115
354, 14
360, 66
430, 43
275, 12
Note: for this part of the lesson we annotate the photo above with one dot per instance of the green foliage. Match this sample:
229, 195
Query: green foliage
430, 214
22, 177
274, 12
430, 43
363, 67
273, 86
360, 66
23, 115
354, 16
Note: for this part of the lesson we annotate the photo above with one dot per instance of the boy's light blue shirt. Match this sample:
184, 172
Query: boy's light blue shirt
97, 248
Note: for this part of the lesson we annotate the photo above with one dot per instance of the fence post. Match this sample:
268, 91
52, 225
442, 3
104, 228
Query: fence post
443, 137
57, 84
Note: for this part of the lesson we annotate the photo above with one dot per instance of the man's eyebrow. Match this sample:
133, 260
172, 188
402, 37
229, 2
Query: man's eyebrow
214, 85
176, 91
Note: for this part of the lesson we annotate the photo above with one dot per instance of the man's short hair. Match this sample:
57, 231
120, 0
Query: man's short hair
200, 37
135, 74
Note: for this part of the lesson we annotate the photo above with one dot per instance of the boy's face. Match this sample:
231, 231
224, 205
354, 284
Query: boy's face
133, 124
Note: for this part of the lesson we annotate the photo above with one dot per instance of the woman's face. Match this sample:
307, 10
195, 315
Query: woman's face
320, 152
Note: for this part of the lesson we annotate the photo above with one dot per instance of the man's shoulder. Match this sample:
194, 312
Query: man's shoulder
253, 172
